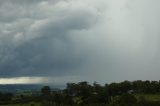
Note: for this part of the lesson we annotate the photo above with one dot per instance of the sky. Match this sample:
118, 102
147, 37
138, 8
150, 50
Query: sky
60, 41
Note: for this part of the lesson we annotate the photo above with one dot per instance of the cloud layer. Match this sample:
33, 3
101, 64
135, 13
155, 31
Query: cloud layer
102, 40
35, 36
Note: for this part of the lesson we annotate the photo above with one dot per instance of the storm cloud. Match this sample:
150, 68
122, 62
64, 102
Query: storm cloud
93, 40
35, 36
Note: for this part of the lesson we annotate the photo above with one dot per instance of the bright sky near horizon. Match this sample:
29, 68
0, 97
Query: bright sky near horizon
59, 41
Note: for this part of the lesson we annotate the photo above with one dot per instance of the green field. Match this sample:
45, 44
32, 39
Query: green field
29, 104
148, 97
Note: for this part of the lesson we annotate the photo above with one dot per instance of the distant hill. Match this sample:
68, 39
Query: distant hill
14, 88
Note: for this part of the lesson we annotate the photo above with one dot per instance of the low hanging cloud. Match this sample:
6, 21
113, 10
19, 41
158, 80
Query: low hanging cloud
102, 40
35, 40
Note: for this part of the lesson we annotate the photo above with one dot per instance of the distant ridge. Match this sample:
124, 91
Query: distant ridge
14, 88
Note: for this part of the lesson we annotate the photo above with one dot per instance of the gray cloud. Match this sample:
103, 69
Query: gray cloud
105, 40
41, 45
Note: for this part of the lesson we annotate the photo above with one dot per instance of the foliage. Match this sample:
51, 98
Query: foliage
127, 99
46, 91
126, 93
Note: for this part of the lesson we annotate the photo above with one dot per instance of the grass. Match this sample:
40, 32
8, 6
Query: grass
148, 97
28, 104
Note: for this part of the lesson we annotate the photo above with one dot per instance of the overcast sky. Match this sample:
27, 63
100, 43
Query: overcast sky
76, 40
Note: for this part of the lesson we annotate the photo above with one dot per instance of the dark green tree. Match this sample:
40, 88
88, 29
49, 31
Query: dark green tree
46, 91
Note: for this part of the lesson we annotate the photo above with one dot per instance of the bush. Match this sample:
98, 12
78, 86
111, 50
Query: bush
127, 99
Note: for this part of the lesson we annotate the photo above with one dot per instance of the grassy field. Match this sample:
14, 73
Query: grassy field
148, 97
29, 104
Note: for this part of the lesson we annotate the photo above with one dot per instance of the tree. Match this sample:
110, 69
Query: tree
100, 95
46, 91
72, 89
114, 89
125, 86
46, 96
138, 85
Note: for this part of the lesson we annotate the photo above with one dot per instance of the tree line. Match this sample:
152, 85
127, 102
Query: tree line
85, 94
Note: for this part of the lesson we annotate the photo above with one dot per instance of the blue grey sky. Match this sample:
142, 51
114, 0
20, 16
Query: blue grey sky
61, 41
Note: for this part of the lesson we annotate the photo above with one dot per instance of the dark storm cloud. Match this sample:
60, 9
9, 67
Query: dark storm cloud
102, 40
40, 46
